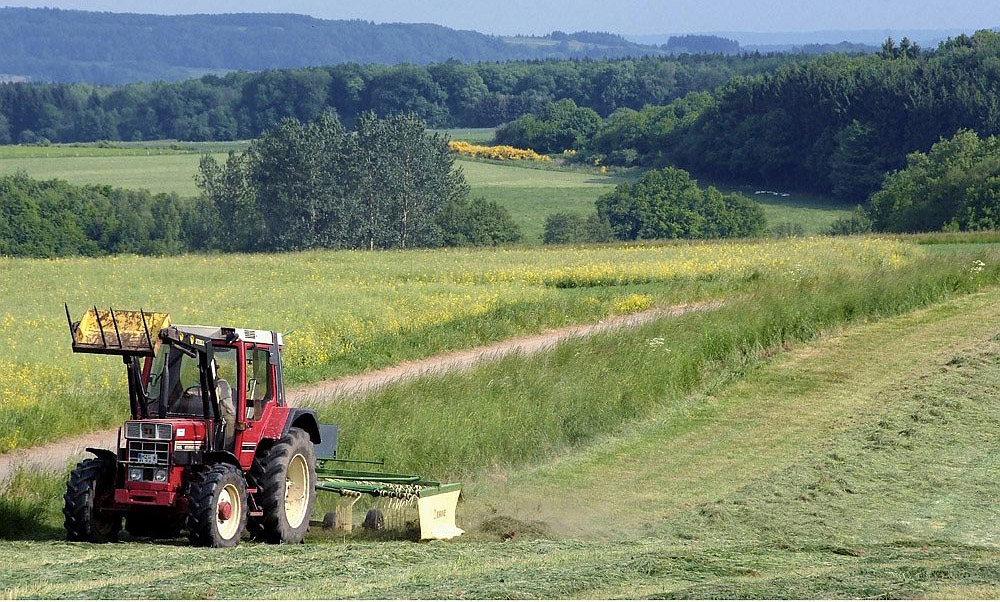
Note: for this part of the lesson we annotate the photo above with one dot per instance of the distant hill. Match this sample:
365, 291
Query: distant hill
113, 48
786, 40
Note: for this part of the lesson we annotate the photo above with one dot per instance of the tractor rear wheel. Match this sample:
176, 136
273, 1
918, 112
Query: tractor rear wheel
286, 488
91, 485
217, 507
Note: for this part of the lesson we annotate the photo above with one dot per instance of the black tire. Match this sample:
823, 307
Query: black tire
211, 490
374, 520
330, 520
91, 486
153, 526
269, 475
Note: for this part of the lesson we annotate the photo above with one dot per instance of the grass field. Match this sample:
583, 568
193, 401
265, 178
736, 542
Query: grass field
814, 213
531, 194
821, 470
352, 311
471, 135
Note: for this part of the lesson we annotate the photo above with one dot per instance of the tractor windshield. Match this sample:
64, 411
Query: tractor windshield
175, 381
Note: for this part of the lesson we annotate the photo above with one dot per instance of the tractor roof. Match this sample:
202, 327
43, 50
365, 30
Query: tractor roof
265, 337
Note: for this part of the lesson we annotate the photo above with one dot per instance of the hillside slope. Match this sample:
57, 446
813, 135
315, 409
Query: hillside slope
111, 48
841, 471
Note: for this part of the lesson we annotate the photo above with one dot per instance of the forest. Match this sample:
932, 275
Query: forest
242, 105
834, 125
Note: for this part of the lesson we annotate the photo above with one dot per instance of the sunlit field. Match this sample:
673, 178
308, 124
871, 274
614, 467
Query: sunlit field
348, 311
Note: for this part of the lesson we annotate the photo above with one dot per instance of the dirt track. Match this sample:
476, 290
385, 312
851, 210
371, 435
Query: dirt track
55, 456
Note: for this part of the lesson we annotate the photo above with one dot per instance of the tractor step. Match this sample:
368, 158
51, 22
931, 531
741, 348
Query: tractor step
256, 513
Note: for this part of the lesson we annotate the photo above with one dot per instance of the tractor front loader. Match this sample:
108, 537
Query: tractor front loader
211, 446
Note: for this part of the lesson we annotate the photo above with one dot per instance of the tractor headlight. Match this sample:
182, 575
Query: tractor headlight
132, 430
160, 476
164, 431
135, 474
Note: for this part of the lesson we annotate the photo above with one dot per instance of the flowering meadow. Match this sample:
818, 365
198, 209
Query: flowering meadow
350, 311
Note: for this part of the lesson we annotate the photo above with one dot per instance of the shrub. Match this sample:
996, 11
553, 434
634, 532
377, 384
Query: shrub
858, 223
477, 223
668, 203
496, 153
787, 229
566, 228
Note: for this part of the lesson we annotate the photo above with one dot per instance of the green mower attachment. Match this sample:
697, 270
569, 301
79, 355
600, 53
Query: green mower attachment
435, 502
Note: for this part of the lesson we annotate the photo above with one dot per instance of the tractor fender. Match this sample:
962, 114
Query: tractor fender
223, 457
103, 454
304, 419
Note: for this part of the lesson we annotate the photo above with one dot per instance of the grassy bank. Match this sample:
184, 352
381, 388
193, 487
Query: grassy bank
885, 493
519, 410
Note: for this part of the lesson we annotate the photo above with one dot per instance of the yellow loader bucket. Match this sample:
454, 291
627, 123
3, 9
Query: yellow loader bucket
118, 332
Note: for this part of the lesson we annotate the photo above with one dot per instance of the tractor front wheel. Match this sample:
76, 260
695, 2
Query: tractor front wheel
91, 484
217, 507
286, 488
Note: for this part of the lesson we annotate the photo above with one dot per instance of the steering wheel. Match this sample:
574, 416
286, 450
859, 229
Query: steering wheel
192, 391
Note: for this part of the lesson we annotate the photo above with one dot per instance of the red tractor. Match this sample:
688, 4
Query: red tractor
211, 446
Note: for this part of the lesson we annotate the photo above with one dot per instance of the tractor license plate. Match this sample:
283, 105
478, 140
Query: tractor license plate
146, 458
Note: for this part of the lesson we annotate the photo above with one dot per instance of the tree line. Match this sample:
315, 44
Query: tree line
387, 184
242, 105
834, 125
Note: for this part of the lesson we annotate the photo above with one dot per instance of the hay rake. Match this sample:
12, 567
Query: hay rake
395, 495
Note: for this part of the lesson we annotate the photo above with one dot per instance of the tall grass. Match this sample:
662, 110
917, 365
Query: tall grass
520, 409
351, 311
30, 504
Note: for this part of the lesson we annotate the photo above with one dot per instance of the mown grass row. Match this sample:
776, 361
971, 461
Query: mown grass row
521, 409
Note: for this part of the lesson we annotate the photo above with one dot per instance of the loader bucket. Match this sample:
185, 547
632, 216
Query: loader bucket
117, 331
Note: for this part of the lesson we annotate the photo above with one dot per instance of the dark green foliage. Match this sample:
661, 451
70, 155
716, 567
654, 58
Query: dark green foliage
667, 203
567, 227
477, 223
628, 137
316, 185
556, 127
956, 186
787, 229
244, 104
701, 44
57, 219
837, 123
833, 124
858, 223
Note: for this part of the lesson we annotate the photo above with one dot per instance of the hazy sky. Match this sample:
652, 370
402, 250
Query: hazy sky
621, 16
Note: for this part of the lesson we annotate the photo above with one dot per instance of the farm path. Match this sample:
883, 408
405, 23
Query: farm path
55, 456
